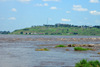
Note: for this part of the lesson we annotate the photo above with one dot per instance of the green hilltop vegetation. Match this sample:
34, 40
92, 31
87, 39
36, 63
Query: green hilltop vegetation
59, 29
4, 32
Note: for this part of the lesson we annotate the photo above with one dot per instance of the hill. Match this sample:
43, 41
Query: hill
59, 29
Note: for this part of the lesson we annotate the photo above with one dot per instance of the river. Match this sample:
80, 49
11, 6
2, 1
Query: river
19, 50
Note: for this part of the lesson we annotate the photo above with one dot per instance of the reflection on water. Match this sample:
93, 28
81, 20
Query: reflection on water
21, 53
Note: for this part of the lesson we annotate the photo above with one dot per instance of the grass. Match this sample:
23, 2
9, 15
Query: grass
98, 52
85, 63
73, 45
80, 49
42, 49
60, 46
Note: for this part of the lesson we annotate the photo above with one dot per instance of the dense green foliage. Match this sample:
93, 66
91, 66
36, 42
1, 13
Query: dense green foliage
80, 49
4, 32
60, 46
58, 30
85, 63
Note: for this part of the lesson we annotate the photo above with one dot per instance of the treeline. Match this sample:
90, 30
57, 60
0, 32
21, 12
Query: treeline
4, 32
69, 25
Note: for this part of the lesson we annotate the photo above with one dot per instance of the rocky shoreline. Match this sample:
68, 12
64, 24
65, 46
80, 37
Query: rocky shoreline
51, 39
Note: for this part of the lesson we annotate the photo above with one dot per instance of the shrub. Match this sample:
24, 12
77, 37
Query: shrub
60, 46
42, 49
80, 49
85, 63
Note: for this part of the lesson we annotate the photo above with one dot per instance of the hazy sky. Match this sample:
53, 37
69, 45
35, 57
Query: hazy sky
17, 14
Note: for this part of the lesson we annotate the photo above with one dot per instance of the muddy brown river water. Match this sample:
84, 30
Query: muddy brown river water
19, 50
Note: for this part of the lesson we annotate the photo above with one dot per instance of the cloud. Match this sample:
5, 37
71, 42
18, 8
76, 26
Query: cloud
24, 0
67, 11
79, 8
53, 8
52, 0
94, 12
65, 19
14, 9
94, 1
11, 18
41, 5
45, 4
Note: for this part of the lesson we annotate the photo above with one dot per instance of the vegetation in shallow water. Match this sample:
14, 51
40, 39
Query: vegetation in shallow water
60, 46
81, 49
85, 63
42, 49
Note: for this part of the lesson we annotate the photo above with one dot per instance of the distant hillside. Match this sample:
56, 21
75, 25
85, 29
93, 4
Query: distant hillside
59, 29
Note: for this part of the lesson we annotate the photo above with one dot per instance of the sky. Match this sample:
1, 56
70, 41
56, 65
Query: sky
18, 14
